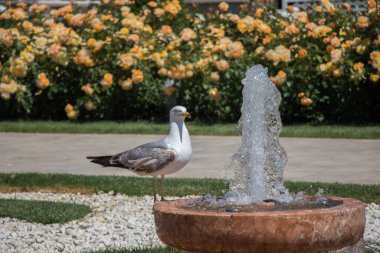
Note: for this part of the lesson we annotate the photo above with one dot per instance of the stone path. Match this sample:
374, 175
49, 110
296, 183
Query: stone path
328, 160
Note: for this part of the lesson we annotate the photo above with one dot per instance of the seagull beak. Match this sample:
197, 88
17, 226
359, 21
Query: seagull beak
186, 115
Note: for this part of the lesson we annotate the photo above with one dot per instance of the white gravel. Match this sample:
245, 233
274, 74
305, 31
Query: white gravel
372, 227
115, 222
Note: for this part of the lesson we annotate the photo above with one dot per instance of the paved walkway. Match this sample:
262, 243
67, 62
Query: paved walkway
328, 160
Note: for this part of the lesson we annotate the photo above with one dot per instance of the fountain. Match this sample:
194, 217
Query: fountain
259, 214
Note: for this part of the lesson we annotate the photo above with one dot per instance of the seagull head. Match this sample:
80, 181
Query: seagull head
179, 113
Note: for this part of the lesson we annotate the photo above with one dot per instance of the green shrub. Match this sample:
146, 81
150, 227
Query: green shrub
126, 60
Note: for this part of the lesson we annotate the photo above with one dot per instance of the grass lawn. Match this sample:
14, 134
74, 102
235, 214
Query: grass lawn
138, 186
45, 212
195, 128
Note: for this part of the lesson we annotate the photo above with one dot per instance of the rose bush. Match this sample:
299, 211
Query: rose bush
132, 60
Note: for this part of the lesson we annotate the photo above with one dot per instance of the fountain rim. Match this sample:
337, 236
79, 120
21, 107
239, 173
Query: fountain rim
175, 207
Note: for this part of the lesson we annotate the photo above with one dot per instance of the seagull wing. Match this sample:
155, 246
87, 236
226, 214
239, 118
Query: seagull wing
144, 159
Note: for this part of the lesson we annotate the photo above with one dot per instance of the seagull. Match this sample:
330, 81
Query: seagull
158, 158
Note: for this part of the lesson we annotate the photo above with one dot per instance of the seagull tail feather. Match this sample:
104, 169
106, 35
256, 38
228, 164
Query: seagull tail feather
102, 160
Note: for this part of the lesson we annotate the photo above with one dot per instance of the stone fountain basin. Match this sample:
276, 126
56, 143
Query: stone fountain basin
292, 231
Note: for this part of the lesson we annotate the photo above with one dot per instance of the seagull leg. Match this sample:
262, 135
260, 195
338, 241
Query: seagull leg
154, 188
161, 187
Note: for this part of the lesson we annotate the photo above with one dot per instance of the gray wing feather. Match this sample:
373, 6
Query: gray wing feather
145, 159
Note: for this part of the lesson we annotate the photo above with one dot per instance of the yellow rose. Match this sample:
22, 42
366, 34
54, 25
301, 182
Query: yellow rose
152, 4
374, 78
172, 7
290, 8
224, 6
127, 84
5, 96
234, 50
87, 89
375, 59
27, 56
347, 6
281, 74
260, 50
187, 34
83, 57
89, 105
166, 29
72, 115
337, 73
69, 108
163, 72
358, 66
363, 22
91, 42
214, 94
336, 55
280, 53
137, 76
42, 81
10, 88
28, 26
265, 29
189, 73
214, 77
169, 90
335, 42
159, 12
302, 53
235, 18
97, 25
266, 40
222, 65
19, 67
361, 49
280, 78
126, 60
301, 94
134, 38
246, 24
371, 4
259, 12
107, 80
305, 101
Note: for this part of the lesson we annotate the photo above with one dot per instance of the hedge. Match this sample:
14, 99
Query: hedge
126, 60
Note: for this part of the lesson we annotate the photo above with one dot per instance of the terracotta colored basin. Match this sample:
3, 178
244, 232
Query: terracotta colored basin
261, 232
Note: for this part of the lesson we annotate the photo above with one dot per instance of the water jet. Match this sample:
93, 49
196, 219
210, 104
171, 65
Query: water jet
259, 214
